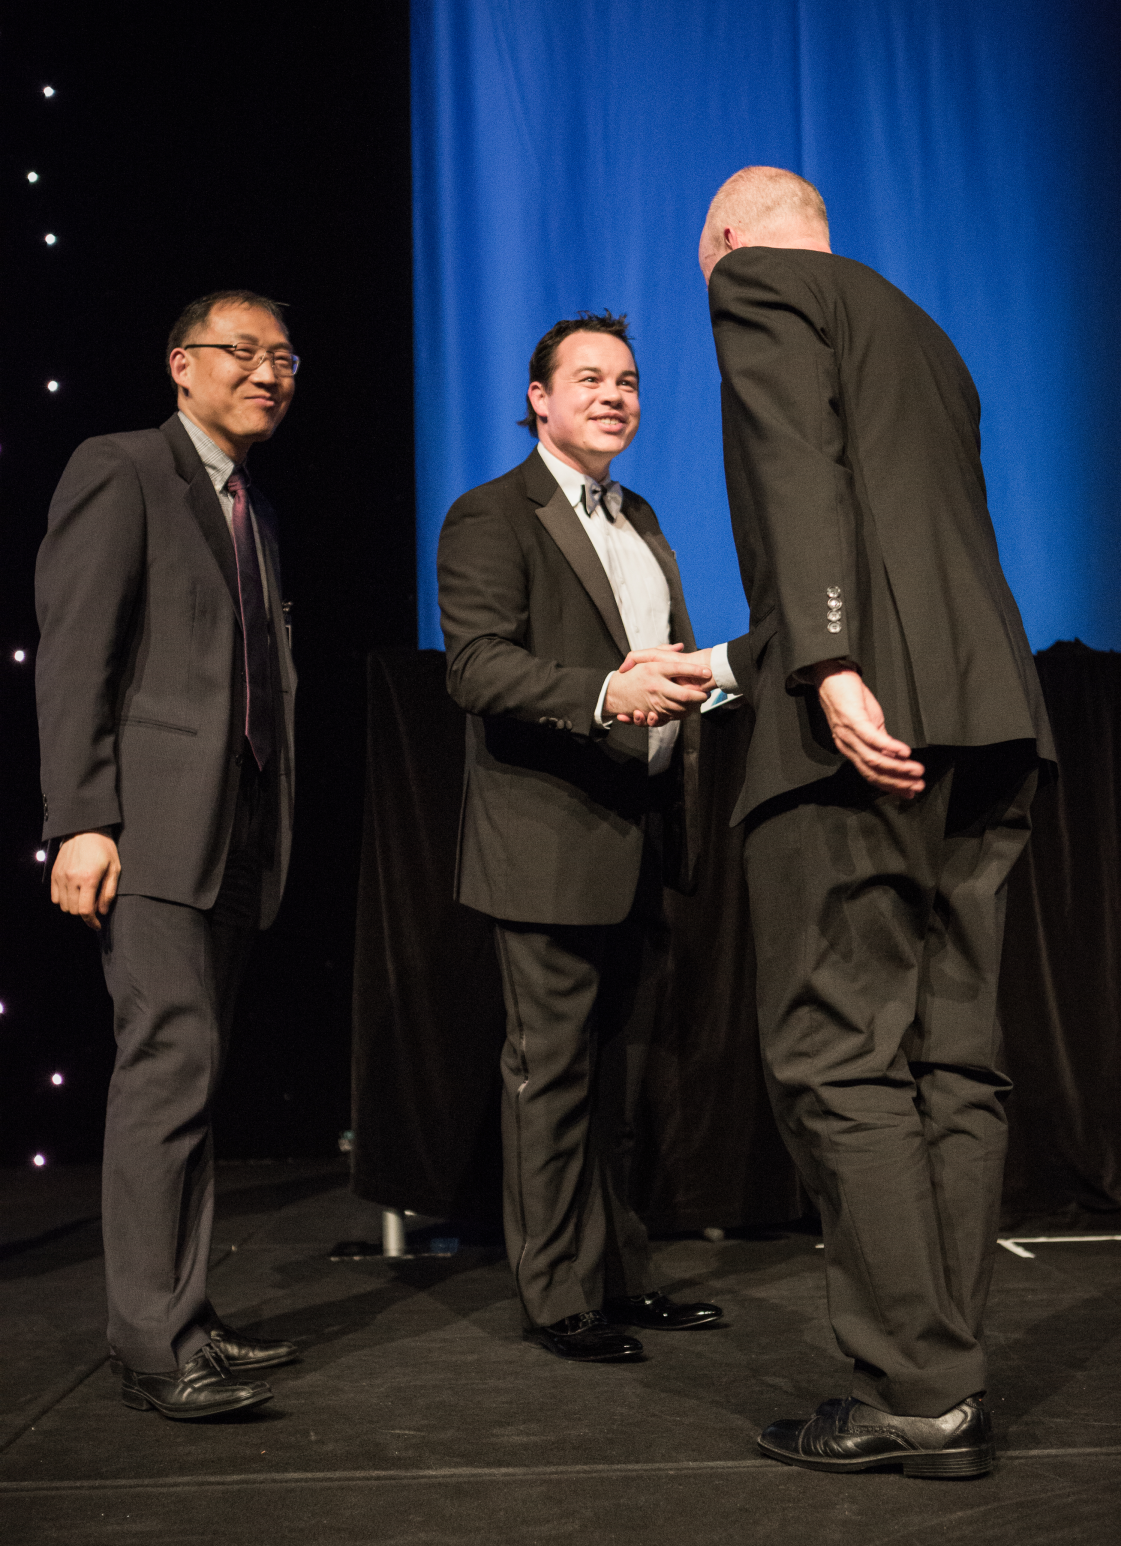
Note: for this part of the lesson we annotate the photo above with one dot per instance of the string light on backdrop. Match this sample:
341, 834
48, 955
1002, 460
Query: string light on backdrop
50, 239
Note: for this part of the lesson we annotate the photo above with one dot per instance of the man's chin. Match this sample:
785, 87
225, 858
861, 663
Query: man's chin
612, 440
260, 429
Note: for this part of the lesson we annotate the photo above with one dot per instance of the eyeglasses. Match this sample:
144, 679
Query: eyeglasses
284, 362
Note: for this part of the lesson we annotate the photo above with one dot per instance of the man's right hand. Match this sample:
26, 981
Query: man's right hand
85, 875
655, 689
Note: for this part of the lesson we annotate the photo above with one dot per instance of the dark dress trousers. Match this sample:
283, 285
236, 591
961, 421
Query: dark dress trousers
141, 697
565, 841
852, 457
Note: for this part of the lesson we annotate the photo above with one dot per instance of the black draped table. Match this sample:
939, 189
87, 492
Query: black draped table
428, 1018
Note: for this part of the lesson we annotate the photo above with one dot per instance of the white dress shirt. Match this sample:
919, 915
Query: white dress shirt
219, 466
637, 583
722, 673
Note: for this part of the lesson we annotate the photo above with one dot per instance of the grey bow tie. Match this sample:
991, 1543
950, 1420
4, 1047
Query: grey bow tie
605, 495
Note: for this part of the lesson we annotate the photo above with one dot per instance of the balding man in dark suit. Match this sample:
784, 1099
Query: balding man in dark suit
899, 733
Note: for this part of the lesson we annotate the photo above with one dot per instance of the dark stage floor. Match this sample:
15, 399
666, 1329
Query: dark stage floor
419, 1415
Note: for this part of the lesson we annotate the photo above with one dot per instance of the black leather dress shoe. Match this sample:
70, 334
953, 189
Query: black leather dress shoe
244, 1353
203, 1387
657, 1312
849, 1436
587, 1338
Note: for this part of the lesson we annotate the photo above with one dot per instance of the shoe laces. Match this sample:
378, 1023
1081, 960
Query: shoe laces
587, 1320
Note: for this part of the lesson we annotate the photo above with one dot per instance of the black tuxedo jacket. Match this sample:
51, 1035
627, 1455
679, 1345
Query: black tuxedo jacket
852, 457
140, 671
551, 829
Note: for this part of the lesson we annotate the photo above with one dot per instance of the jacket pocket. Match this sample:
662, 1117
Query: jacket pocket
157, 724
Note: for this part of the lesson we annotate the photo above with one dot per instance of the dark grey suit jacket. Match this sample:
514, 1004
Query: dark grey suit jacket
852, 457
140, 671
551, 829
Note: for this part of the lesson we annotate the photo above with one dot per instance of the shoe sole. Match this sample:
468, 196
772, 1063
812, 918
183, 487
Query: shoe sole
583, 1357
141, 1403
681, 1326
261, 1363
946, 1463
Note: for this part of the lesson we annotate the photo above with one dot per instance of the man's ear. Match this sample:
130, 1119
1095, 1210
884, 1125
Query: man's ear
179, 364
538, 399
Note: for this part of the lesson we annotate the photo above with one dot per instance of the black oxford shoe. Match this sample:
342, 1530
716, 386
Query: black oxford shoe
203, 1387
849, 1436
244, 1354
657, 1312
587, 1338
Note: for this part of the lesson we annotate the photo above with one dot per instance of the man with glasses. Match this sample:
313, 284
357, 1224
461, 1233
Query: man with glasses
165, 690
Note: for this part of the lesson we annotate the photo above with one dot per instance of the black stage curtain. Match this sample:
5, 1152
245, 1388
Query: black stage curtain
428, 1019
1061, 979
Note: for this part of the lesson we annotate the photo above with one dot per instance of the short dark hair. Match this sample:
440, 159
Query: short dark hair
197, 313
543, 360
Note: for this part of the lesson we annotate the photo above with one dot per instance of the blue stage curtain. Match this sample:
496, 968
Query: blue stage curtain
564, 155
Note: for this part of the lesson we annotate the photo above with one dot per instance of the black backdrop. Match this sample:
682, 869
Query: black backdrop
189, 149
428, 1009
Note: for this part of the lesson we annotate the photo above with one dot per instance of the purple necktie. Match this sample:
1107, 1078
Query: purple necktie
254, 626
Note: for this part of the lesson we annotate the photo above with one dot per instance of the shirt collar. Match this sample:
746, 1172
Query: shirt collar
214, 459
571, 481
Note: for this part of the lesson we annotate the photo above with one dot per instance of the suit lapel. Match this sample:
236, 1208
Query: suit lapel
203, 504
566, 529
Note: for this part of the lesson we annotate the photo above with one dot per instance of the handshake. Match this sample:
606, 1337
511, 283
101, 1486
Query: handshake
657, 685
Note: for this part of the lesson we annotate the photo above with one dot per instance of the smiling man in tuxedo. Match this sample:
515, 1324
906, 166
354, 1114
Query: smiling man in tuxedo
572, 816
165, 689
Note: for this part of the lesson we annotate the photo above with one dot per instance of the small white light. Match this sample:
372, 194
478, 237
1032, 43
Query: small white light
50, 238
40, 1160
40, 856
57, 1079
1, 1009
20, 655
52, 386
48, 91
33, 177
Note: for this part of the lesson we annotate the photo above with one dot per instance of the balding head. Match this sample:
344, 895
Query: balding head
763, 206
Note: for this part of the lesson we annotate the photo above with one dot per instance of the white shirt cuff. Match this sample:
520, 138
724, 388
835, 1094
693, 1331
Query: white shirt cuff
721, 670
604, 724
